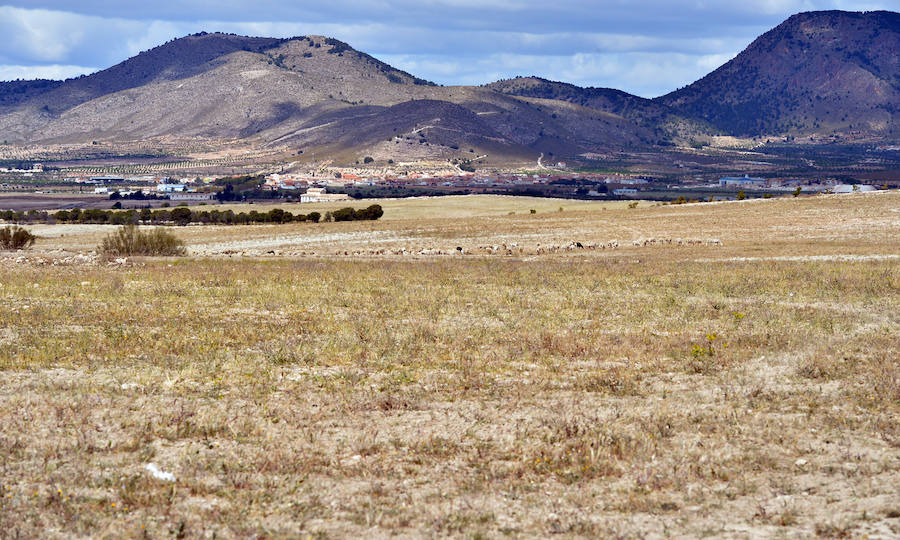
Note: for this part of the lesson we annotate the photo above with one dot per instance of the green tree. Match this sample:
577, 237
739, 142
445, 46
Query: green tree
181, 215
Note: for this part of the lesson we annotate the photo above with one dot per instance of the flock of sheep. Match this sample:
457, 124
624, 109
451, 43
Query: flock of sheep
507, 249
513, 249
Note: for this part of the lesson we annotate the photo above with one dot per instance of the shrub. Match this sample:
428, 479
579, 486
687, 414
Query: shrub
741, 195
372, 212
130, 240
15, 237
349, 214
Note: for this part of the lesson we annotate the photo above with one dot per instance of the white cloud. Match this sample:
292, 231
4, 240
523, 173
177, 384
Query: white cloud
644, 74
56, 71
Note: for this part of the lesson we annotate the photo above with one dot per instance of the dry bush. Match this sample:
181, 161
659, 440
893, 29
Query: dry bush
14, 237
130, 240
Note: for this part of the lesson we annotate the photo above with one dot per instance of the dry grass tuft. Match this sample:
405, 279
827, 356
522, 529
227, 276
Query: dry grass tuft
129, 240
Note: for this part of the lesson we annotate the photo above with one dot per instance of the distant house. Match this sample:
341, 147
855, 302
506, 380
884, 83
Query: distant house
741, 181
319, 195
625, 192
107, 179
170, 188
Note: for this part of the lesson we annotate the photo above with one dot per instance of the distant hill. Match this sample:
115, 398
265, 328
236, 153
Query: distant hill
604, 99
817, 72
655, 117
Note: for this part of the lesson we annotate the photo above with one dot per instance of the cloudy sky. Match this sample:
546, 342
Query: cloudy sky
647, 47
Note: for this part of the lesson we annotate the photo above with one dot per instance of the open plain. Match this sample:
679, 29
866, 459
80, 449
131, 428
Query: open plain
463, 367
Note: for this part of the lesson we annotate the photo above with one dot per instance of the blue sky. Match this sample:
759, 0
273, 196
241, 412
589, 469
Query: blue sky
645, 47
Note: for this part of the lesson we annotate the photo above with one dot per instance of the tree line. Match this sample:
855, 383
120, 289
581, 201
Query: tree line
183, 216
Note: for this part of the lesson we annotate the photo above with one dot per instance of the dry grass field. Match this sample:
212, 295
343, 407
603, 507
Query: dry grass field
368, 379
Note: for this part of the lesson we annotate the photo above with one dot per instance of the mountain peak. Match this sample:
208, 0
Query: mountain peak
817, 72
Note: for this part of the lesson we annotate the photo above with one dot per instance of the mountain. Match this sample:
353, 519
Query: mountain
818, 72
309, 92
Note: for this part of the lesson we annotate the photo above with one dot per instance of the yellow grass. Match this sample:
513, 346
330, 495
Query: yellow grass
747, 389
457, 206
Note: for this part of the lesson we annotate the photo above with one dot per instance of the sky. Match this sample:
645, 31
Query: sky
646, 47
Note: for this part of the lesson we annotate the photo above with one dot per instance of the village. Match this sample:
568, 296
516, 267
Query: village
333, 184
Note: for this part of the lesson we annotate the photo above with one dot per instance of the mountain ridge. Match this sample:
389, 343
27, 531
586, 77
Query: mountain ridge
816, 73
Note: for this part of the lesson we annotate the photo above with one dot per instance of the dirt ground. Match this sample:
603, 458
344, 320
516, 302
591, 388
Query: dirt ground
22, 202
716, 369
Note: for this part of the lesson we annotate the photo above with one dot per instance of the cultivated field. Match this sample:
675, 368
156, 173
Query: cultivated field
721, 369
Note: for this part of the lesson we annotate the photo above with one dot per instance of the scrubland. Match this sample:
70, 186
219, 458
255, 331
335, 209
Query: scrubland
297, 384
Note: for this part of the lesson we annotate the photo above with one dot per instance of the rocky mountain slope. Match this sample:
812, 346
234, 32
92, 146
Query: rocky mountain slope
818, 72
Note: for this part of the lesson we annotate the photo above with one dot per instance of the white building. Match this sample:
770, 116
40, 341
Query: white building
191, 196
741, 181
319, 195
